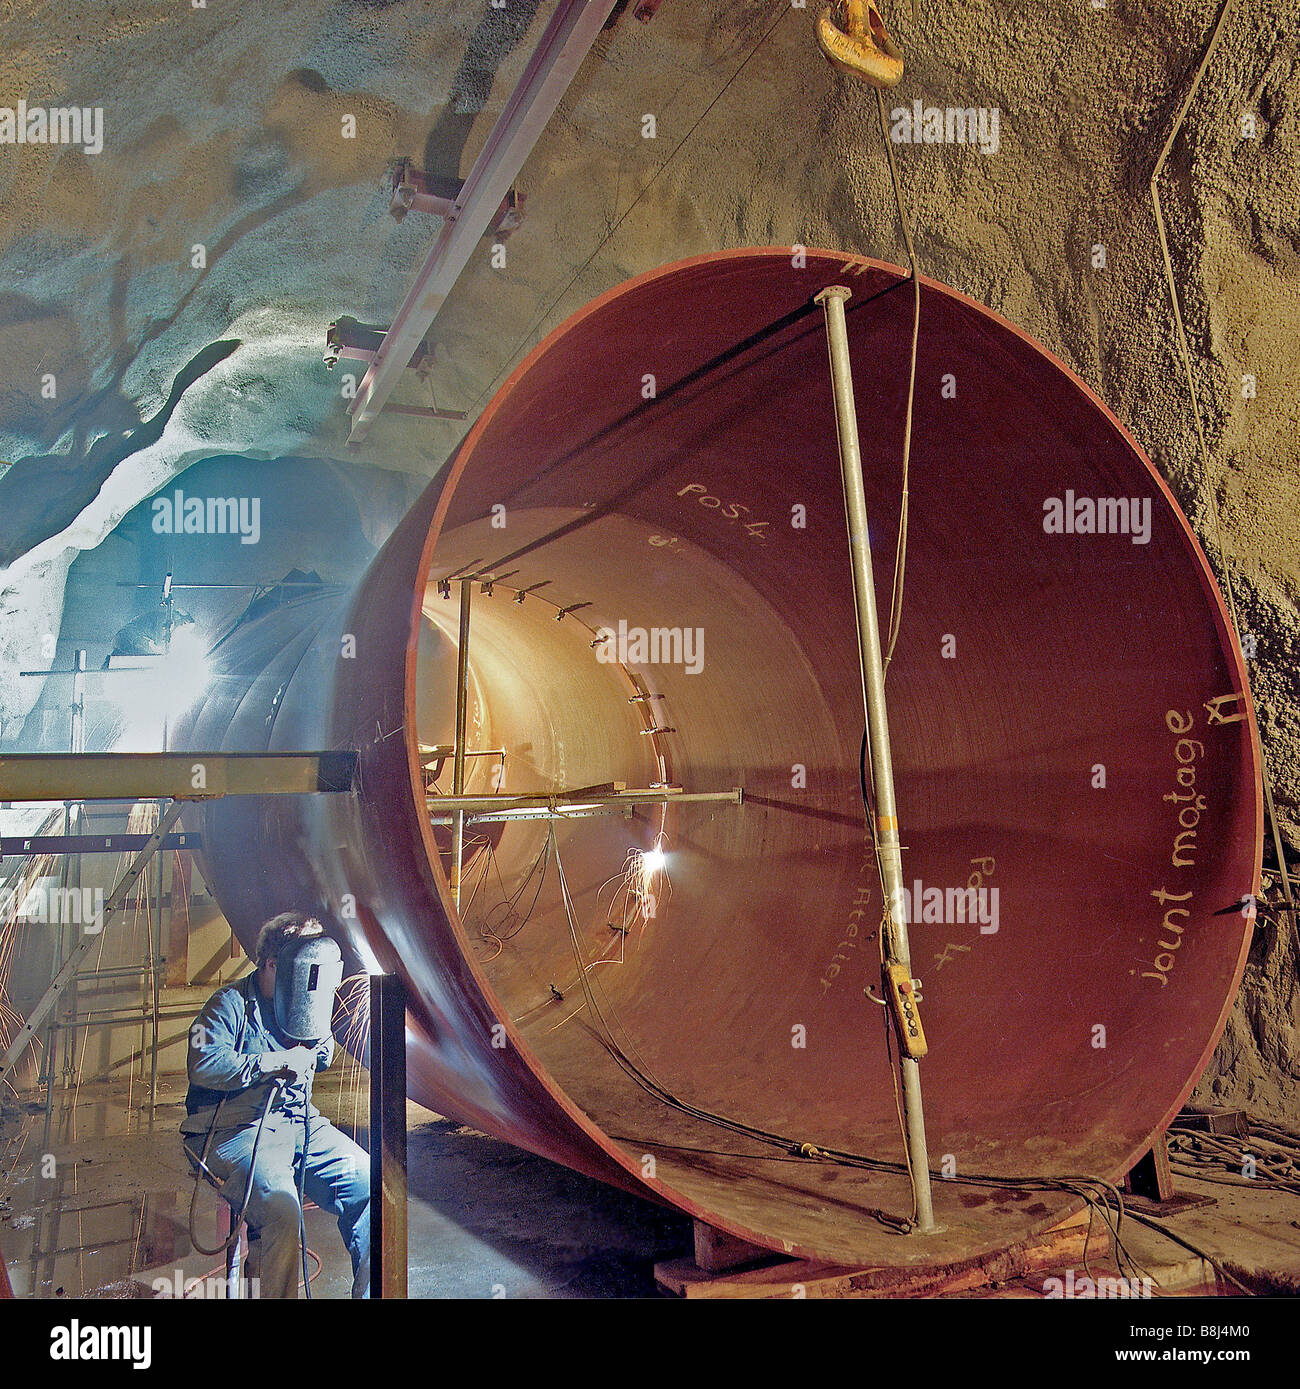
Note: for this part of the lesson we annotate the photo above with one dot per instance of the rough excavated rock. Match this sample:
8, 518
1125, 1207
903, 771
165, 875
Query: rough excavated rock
223, 128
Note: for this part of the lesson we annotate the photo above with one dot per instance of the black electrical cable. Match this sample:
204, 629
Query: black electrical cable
203, 1170
653, 1087
302, 1182
1192, 1249
512, 901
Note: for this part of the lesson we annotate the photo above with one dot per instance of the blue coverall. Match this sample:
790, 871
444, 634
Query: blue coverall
237, 1027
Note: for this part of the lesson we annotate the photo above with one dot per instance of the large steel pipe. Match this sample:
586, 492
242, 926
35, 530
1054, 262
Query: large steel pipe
1069, 729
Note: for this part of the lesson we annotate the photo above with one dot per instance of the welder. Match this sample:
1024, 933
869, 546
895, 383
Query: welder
250, 1124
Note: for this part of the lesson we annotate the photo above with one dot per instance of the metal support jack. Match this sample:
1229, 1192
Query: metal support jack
897, 963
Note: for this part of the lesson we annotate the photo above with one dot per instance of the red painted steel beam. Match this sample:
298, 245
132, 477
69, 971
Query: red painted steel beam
1032, 667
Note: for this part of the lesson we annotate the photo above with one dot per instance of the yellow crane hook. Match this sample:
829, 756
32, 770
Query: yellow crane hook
860, 44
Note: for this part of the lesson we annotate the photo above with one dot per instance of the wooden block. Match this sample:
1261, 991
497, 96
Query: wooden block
716, 1252
1221, 1121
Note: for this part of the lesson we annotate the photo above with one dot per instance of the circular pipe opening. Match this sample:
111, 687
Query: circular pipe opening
672, 478
1071, 737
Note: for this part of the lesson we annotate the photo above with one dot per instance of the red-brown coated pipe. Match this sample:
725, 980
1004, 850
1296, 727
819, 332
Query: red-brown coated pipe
1069, 727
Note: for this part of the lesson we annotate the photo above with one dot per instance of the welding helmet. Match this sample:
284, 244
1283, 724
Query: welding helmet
308, 972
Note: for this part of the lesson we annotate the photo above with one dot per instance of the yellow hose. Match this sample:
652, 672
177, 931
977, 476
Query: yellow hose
862, 48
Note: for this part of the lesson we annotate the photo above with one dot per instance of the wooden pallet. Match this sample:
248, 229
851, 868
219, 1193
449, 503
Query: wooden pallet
729, 1268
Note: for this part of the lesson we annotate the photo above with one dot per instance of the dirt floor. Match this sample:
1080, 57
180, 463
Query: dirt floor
105, 1215
486, 1220
176, 285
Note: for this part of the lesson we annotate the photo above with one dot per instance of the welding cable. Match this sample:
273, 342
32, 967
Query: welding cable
511, 899
219, 1269
302, 1179
508, 903
605, 1037
900, 545
1077, 1186
203, 1170
1265, 1131
1227, 1158
1097, 1202
471, 847
546, 849
1096, 1193
624, 891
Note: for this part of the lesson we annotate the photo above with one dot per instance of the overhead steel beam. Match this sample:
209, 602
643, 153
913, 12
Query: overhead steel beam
504, 806
189, 776
89, 843
565, 43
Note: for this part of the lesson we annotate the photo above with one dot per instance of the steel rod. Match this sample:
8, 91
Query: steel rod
885, 830
462, 721
561, 800
76, 745
388, 1161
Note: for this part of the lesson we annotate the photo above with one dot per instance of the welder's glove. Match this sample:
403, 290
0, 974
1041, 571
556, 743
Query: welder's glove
296, 1064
